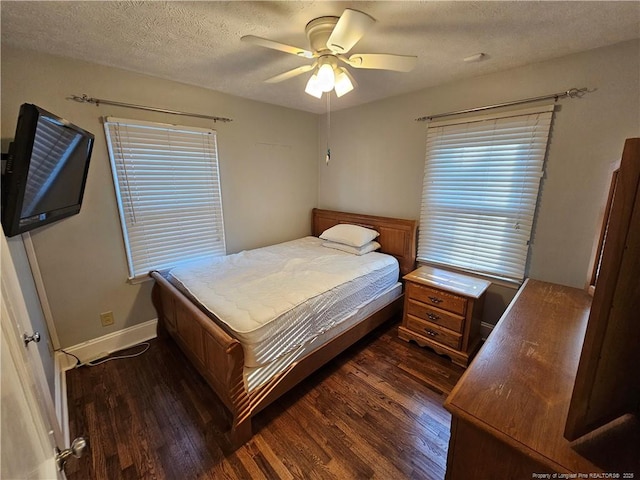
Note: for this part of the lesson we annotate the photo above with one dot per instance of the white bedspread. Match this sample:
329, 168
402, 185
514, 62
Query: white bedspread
276, 298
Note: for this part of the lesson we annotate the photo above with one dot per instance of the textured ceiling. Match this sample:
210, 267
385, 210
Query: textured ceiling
199, 42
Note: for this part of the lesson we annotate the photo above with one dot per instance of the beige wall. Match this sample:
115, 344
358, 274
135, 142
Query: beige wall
267, 166
273, 169
378, 151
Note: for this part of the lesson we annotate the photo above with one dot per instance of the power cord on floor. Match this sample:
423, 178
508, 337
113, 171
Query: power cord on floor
80, 363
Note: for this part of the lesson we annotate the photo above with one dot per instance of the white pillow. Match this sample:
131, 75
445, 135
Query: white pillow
353, 235
366, 248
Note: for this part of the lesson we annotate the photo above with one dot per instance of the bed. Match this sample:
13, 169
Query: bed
235, 357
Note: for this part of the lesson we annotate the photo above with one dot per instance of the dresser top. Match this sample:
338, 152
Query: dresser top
520, 383
449, 281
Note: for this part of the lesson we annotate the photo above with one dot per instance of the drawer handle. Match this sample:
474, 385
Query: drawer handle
430, 332
435, 299
433, 317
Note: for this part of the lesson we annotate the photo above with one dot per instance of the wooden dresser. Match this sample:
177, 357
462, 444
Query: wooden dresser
443, 310
510, 406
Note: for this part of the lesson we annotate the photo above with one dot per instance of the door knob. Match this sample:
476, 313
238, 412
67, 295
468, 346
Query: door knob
77, 448
30, 338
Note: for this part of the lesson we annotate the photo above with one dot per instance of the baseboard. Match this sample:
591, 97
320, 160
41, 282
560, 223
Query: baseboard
91, 350
112, 342
62, 409
485, 329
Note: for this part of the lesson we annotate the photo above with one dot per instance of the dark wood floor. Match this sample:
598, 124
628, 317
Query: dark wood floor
373, 412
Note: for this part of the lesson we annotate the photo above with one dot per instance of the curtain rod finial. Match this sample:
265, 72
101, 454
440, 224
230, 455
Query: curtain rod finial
576, 92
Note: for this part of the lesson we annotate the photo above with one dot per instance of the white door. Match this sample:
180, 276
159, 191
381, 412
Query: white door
27, 446
29, 431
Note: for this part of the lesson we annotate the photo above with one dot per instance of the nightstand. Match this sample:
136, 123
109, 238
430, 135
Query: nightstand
443, 310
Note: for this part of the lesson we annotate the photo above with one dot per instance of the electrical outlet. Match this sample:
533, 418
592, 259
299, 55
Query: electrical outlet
106, 318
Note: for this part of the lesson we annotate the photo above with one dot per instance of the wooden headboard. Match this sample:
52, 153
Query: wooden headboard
398, 236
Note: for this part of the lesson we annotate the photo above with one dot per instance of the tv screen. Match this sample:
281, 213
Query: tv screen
46, 171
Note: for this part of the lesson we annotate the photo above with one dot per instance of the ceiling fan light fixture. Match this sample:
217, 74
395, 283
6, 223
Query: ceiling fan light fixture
343, 84
330, 38
313, 87
326, 77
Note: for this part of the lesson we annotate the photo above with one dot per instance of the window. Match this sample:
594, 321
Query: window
168, 191
480, 190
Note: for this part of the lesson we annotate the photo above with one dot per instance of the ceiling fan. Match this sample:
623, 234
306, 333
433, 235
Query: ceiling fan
330, 38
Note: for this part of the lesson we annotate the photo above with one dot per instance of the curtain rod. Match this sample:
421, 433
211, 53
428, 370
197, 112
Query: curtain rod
571, 93
98, 101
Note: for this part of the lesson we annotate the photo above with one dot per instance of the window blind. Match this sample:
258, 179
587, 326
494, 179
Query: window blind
481, 181
168, 191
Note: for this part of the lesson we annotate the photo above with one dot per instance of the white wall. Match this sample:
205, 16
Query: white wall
378, 151
267, 166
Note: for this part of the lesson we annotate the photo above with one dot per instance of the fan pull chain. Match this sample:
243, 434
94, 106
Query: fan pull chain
328, 157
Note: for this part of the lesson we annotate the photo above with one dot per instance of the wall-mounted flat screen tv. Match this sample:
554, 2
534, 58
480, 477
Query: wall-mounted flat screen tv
45, 172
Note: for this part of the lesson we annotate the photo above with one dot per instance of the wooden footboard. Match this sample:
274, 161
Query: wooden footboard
220, 358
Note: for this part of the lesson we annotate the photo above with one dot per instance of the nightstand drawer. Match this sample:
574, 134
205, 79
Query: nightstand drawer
434, 332
439, 298
435, 315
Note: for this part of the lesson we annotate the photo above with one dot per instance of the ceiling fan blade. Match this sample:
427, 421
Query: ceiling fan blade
383, 61
283, 47
350, 28
291, 73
